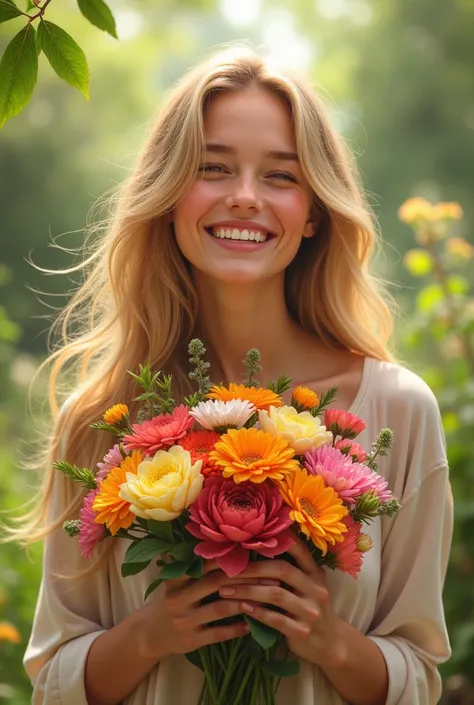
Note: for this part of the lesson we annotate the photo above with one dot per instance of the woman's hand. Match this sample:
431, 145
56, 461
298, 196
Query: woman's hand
176, 622
309, 622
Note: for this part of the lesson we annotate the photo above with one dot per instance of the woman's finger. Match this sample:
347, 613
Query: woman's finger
289, 627
305, 560
282, 571
205, 614
270, 595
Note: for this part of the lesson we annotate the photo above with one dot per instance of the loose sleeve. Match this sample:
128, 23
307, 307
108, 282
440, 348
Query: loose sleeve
70, 615
409, 626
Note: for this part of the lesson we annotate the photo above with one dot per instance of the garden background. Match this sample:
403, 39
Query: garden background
398, 76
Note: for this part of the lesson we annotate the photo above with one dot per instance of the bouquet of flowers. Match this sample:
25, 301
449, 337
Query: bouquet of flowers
232, 474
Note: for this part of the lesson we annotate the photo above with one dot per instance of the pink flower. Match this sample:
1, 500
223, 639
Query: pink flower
90, 533
233, 519
352, 450
112, 459
343, 423
348, 555
159, 432
350, 480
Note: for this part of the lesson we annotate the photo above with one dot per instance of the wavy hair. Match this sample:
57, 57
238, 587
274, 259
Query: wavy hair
137, 301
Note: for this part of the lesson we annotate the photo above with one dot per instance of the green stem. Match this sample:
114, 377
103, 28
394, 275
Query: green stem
229, 669
208, 673
251, 666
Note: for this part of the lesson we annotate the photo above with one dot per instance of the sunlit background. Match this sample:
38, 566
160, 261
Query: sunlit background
398, 78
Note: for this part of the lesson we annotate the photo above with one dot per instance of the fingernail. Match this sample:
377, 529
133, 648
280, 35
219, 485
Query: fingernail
227, 591
247, 607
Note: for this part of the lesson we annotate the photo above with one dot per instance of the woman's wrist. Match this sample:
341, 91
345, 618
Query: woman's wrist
152, 643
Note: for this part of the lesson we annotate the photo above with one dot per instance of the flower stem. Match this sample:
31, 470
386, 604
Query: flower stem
238, 698
229, 670
208, 673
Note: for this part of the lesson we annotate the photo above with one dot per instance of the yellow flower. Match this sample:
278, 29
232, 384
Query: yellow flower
446, 211
364, 543
316, 508
164, 485
252, 454
260, 397
9, 633
305, 397
459, 247
300, 430
415, 210
112, 510
116, 413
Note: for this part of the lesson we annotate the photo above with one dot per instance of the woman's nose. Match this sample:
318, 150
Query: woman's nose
245, 195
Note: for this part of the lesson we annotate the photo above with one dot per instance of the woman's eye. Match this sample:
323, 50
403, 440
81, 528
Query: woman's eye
283, 175
211, 169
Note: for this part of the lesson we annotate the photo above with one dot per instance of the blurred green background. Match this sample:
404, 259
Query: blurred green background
398, 76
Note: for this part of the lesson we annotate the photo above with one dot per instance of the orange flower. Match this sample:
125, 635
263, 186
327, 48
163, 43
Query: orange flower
316, 508
111, 510
251, 454
305, 398
260, 397
116, 413
200, 444
9, 633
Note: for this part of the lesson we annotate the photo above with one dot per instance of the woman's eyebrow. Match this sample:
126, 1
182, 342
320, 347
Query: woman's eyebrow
273, 154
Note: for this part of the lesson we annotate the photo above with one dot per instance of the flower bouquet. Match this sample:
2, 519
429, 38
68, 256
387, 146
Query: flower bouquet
232, 474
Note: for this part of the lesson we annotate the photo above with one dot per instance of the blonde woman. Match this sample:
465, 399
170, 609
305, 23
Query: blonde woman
243, 223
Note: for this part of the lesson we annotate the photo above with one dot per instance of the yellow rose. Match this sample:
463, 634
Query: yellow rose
163, 485
300, 430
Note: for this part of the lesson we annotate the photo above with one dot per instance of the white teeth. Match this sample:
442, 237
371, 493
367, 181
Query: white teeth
236, 234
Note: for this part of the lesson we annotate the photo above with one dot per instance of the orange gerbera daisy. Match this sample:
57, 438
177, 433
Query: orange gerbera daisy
200, 444
316, 508
116, 413
251, 454
111, 510
260, 397
305, 398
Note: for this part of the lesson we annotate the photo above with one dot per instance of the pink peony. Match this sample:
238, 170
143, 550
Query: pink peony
112, 459
350, 480
90, 533
159, 432
348, 555
343, 423
233, 519
352, 450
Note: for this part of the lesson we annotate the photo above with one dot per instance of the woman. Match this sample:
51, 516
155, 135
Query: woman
243, 223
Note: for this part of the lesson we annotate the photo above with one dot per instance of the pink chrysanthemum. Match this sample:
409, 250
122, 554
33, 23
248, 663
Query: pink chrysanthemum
112, 459
352, 450
90, 533
348, 555
348, 479
162, 431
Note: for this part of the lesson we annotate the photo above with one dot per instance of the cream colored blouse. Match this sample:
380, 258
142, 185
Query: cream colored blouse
396, 599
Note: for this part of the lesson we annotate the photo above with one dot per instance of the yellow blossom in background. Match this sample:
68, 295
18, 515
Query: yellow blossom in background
415, 210
446, 211
9, 633
116, 413
459, 247
305, 397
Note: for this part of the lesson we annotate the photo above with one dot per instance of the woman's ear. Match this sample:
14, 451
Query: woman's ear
312, 223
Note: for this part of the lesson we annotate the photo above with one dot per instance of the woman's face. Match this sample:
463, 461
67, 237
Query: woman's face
243, 218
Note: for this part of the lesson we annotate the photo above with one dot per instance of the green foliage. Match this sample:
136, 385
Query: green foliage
19, 64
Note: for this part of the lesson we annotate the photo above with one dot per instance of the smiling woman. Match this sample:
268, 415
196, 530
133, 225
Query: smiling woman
243, 224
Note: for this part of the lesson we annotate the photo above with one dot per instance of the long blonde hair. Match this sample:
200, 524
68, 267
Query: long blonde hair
138, 303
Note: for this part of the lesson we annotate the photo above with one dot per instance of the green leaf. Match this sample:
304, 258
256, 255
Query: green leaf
18, 73
156, 583
196, 568
8, 10
418, 262
98, 14
185, 551
194, 657
161, 529
145, 549
263, 635
283, 669
175, 570
65, 56
127, 569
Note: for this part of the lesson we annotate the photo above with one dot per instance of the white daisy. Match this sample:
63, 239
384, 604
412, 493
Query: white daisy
214, 414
